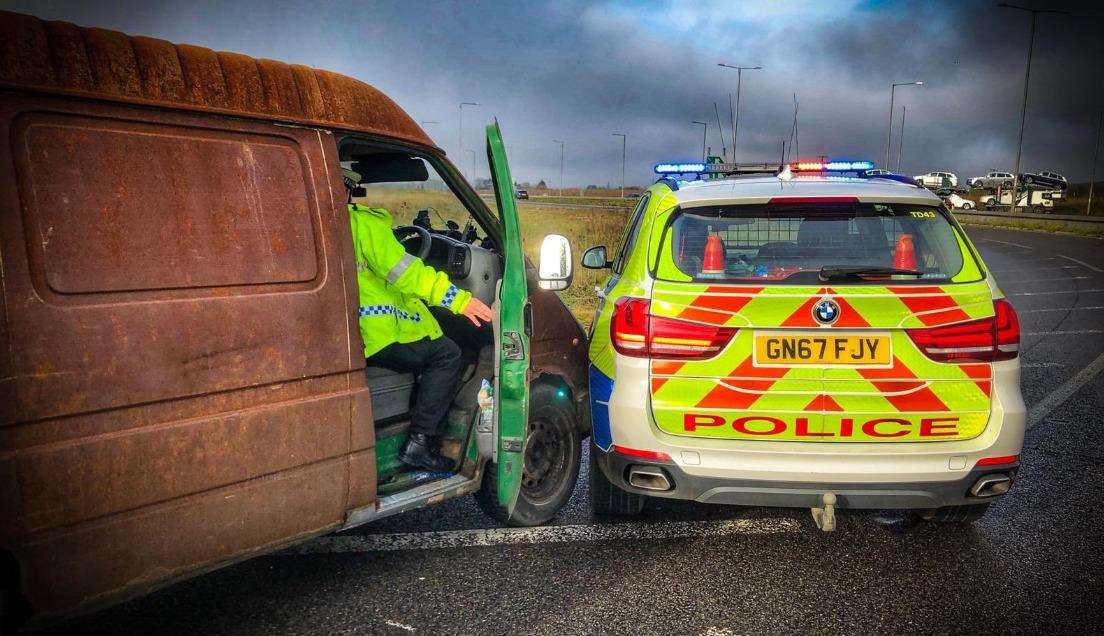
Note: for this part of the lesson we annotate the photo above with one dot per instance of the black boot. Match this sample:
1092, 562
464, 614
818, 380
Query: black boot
417, 453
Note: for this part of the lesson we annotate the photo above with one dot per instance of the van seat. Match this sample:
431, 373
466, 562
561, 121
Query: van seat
391, 392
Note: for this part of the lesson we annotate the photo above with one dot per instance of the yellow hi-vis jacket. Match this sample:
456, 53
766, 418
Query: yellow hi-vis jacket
394, 286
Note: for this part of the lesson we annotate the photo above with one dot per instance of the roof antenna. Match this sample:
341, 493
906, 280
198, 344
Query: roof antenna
795, 149
717, 111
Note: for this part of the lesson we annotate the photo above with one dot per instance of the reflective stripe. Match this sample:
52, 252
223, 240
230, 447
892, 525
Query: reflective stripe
449, 296
388, 310
399, 268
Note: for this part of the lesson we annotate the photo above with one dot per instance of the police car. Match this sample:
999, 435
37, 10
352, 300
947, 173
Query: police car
806, 336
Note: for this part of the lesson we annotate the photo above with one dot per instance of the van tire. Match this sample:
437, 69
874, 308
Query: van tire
552, 424
606, 499
957, 514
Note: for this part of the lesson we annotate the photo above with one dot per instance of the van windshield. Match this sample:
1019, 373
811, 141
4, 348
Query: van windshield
793, 243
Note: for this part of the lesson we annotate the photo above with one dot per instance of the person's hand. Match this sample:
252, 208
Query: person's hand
477, 312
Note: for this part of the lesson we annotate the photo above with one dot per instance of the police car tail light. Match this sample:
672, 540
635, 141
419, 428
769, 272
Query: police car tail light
985, 340
635, 332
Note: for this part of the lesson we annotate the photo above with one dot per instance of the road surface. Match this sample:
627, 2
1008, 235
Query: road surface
1034, 563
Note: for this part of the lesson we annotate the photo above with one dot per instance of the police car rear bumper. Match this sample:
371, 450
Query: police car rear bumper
745, 492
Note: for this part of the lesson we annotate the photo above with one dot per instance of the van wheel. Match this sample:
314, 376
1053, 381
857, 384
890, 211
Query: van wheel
605, 497
551, 468
956, 514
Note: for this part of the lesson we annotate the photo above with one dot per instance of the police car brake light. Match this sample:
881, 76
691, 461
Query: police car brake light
636, 333
984, 340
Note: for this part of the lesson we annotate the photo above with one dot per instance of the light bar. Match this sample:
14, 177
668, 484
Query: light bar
835, 165
717, 168
679, 168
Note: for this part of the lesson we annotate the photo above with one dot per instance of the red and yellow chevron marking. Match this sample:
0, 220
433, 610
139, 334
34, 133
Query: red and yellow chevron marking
914, 399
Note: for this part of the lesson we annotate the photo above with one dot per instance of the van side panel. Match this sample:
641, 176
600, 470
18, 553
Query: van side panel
180, 377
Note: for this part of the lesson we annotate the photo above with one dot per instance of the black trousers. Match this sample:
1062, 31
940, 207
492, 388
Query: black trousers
437, 363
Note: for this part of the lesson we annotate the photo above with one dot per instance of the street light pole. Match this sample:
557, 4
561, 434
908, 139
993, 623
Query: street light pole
736, 115
1096, 155
471, 175
705, 131
624, 143
460, 134
889, 128
1023, 109
901, 142
557, 141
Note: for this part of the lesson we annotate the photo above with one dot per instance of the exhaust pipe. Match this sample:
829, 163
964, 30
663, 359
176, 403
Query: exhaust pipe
991, 485
649, 478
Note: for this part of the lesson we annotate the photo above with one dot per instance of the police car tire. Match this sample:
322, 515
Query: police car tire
607, 499
958, 514
557, 413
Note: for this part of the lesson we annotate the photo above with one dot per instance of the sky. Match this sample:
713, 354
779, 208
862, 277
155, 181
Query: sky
580, 71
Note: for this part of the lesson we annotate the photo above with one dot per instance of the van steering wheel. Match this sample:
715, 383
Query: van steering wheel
412, 235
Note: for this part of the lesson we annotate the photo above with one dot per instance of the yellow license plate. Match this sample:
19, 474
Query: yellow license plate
778, 349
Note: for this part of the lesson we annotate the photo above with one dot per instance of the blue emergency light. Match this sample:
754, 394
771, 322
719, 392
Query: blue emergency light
798, 167
680, 168
835, 165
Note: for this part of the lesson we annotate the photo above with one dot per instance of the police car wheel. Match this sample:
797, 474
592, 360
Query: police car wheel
551, 462
956, 514
605, 497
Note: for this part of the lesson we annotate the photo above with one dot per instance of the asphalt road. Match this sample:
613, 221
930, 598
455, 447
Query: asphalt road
1034, 563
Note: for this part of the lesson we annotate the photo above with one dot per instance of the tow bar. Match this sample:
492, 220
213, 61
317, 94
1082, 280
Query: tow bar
825, 518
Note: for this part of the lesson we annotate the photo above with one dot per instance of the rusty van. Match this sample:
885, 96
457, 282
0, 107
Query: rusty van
182, 381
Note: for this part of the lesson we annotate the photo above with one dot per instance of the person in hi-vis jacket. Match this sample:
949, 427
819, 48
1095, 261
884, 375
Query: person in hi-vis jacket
398, 330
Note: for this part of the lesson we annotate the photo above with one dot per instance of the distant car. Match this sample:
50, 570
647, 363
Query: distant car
937, 179
877, 172
958, 203
992, 181
521, 194
1043, 181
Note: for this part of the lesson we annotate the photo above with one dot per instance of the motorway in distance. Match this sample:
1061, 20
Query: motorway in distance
1033, 563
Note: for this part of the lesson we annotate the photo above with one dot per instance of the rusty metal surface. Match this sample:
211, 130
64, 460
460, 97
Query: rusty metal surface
180, 374
559, 347
58, 56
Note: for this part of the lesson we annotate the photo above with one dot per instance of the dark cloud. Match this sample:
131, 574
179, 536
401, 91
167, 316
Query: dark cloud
579, 71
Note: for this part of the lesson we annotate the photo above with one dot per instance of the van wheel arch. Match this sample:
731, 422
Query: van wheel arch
559, 382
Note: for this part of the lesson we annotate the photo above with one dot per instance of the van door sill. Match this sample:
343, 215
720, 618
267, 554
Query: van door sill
431, 493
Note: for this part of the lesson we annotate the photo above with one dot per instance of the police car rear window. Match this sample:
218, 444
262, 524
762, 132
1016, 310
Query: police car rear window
792, 243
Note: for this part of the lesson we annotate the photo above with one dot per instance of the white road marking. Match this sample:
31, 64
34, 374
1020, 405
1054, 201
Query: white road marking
1044, 280
1042, 365
1064, 291
1026, 247
1058, 396
1082, 263
479, 537
402, 626
1036, 311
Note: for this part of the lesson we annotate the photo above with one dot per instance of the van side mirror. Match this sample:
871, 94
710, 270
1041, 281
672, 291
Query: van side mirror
555, 269
595, 258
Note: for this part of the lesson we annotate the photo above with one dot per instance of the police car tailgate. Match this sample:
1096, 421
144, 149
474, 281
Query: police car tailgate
880, 363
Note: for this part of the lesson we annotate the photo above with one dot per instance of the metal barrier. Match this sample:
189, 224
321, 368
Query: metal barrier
1047, 222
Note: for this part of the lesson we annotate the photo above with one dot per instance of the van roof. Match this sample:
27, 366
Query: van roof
59, 57
762, 189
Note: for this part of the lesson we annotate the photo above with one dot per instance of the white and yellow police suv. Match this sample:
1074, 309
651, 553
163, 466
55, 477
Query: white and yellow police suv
801, 335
